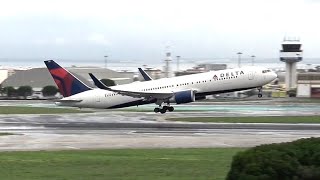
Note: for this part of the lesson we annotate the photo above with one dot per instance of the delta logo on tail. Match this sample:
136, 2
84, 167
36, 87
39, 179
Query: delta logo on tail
68, 84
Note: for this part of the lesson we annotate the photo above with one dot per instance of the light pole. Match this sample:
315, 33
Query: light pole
105, 62
239, 59
252, 59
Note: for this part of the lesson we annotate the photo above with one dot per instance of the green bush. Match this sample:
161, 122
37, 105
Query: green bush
9, 91
49, 90
286, 161
292, 93
24, 91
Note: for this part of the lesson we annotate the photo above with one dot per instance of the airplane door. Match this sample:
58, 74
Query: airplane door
97, 98
251, 75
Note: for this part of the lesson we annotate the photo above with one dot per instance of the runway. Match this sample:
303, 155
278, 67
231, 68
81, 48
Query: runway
129, 129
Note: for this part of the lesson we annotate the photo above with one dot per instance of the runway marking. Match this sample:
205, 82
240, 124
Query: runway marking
71, 147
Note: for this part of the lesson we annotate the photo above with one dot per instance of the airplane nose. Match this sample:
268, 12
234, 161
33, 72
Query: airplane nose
275, 75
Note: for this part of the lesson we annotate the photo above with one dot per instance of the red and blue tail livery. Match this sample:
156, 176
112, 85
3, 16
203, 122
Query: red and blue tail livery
67, 83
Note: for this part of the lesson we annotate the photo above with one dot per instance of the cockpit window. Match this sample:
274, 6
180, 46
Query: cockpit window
266, 71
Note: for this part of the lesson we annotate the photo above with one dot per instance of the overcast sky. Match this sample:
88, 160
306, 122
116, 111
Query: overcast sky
142, 29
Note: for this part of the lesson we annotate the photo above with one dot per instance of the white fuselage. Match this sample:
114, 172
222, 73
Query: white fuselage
212, 82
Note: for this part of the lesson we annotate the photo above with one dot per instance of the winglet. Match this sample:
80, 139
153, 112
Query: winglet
145, 76
98, 83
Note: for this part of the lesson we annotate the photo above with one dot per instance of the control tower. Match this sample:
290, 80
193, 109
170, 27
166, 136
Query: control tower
291, 53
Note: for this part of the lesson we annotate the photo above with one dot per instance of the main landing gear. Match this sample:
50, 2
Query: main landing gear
164, 109
260, 92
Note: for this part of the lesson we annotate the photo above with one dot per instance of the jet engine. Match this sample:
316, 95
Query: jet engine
183, 97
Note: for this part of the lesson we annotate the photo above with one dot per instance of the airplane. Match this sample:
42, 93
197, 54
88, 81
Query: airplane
162, 92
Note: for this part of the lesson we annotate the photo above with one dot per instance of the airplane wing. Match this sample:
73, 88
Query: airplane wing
137, 94
98, 83
145, 76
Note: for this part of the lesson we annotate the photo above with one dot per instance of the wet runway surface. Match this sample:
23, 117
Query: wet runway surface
127, 129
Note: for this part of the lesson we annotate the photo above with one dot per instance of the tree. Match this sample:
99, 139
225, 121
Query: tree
10, 91
24, 91
49, 90
1, 90
108, 82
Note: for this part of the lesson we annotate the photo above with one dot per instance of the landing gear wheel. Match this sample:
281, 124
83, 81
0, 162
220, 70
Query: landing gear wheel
165, 108
170, 108
163, 111
259, 95
156, 110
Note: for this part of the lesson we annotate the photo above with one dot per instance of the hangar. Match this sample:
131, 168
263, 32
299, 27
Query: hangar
308, 85
38, 78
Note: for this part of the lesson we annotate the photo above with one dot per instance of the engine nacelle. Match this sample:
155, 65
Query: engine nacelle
183, 97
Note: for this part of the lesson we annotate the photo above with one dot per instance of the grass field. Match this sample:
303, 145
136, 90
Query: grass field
267, 119
36, 110
5, 134
118, 164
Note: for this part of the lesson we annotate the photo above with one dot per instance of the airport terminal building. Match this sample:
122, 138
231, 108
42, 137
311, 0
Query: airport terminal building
38, 78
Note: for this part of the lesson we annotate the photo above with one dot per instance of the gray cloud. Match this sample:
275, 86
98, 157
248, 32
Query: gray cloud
141, 30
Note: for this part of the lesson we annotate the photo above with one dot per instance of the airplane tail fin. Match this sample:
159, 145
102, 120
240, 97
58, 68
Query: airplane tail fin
67, 83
